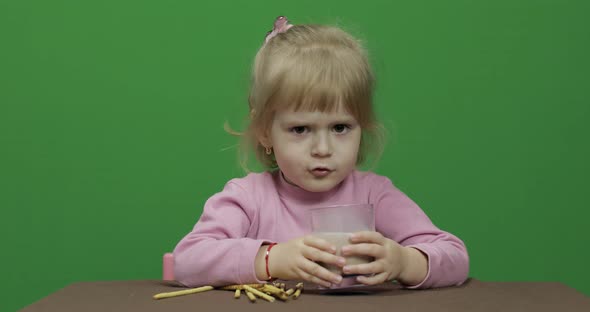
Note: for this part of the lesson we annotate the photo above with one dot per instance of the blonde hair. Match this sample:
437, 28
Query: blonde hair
310, 68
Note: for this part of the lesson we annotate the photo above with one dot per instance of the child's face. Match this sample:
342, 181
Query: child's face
315, 150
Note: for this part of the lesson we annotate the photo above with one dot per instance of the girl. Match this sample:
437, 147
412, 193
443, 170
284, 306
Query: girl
311, 118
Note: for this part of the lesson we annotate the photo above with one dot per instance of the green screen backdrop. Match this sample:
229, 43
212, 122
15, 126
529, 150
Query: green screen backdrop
112, 113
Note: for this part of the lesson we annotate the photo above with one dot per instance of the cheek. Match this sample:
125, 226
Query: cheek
358, 141
281, 155
286, 157
351, 145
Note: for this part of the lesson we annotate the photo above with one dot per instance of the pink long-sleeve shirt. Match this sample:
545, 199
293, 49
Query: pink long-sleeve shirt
264, 208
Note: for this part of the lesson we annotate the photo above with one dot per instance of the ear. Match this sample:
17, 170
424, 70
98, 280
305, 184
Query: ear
263, 135
265, 140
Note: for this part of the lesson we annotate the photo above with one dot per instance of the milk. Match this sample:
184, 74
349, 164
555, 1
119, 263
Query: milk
339, 239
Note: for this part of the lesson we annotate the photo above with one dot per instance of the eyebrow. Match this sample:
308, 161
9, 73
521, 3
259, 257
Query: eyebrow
292, 121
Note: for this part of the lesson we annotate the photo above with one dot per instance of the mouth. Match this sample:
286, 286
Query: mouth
320, 171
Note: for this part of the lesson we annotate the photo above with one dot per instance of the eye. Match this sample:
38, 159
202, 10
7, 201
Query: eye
298, 129
341, 128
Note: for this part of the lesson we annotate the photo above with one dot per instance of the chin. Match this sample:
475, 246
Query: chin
319, 188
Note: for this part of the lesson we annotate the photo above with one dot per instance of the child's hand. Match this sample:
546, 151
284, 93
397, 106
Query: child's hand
296, 259
391, 259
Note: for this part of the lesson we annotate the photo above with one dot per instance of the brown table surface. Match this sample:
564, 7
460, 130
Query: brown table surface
474, 295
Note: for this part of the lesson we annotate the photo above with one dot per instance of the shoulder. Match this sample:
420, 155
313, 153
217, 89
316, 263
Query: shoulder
254, 185
375, 186
369, 179
253, 180
245, 192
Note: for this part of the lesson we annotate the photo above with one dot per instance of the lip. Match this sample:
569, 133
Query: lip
320, 171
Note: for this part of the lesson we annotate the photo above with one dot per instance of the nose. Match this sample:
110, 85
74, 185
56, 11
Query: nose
322, 145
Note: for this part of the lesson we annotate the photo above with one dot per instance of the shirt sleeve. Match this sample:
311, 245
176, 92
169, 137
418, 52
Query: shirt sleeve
399, 218
217, 251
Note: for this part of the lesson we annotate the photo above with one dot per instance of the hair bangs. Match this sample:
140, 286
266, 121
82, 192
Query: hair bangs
321, 82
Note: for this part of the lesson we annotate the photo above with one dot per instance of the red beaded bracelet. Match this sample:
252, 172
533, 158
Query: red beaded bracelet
266, 259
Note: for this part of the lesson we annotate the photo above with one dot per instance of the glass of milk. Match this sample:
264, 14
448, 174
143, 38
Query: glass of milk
335, 224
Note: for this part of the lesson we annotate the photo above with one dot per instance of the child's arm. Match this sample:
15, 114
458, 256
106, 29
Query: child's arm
398, 218
391, 261
416, 266
297, 259
217, 251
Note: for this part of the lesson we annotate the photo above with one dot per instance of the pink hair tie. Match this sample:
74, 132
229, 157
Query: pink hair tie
280, 26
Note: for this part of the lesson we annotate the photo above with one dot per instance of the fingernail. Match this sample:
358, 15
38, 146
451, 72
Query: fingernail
337, 280
345, 249
346, 269
333, 249
341, 261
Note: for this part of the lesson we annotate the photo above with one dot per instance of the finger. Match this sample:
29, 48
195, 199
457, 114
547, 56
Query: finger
372, 280
367, 237
317, 255
313, 279
319, 243
364, 268
363, 249
314, 269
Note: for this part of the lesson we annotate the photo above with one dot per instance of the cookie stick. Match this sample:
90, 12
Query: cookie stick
250, 296
259, 293
182, 292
